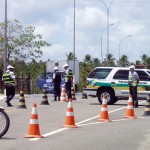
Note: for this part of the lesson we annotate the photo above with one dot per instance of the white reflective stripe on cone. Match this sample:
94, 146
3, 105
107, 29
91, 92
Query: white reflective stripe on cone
69, 114
70, 105
104, 101
34, 121
34, 110
104, 109
129, 107
130, 99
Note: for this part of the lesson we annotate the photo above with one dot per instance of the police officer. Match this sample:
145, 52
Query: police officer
133, 80
68, 75
57, 82
10, 83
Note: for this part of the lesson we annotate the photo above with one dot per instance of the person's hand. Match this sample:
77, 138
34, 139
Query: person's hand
129, 82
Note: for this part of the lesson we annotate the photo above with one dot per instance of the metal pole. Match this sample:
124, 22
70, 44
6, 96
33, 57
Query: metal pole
74, 38
120, 43
102, 40
5, 51
107, 8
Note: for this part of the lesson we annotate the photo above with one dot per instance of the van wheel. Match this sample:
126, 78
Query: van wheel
109, 96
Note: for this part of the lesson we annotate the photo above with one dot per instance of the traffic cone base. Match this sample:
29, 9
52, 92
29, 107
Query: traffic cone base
73, 93
70, 121
45, 99
130, 111
33, 128
104, 116
147, 108
21, 103
104, 112
84, 96
34, 132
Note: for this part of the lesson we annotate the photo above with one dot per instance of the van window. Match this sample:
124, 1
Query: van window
143, 75
121, 75
100, 73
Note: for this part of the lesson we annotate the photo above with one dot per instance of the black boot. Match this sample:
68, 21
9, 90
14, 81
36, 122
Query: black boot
58, 98
8, 103
135, 104
55, 99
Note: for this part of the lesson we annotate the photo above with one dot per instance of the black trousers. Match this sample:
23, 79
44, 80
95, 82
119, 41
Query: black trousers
68, 89
10, 92
133, 92
57, 89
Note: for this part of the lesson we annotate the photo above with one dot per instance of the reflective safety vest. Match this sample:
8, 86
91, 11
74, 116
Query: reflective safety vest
7, 79
69, 76
133, 83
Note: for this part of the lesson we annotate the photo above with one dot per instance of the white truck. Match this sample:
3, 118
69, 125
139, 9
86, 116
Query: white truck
47, 77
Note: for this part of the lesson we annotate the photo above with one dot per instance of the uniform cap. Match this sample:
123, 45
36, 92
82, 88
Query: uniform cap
9, 67
55, 68
66, 65
132, 67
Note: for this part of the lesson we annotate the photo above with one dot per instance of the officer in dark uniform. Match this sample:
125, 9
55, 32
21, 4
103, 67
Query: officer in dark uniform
10, 83
57, 82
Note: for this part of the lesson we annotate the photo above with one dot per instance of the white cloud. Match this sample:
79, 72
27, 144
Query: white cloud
54, 20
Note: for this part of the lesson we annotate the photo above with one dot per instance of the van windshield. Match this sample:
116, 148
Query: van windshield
100, 73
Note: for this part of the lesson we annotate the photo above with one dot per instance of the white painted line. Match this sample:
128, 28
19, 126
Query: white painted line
50, 133
63, 129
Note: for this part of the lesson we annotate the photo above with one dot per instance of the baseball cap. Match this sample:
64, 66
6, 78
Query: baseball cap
132, 66
55, 68
66, 65
10, 67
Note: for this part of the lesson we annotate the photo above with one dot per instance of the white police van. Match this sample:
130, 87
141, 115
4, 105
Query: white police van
113, 83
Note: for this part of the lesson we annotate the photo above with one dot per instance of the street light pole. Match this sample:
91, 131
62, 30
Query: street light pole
5, 50
74, 37
121, 42
107, 8
102, 40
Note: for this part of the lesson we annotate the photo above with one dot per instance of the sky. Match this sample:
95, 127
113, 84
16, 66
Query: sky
54, 20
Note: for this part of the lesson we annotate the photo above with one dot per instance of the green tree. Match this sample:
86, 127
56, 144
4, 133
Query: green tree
123, 62
109, 61
144, 58
23, 43
70, 56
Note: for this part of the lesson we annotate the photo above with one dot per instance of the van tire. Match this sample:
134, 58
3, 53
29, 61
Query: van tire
111, 99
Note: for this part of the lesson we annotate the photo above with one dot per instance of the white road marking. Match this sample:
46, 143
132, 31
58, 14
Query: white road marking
63, 129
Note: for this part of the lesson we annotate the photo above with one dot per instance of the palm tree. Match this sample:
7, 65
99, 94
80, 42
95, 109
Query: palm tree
96, 62
87, 58
123, 62
109, 60
70, 56
144, 58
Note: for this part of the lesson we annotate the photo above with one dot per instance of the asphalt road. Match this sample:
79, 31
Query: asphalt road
119, 134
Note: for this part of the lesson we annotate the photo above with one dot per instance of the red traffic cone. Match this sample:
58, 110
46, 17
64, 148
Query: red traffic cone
130, 110
104, 112
33, 129
70, 121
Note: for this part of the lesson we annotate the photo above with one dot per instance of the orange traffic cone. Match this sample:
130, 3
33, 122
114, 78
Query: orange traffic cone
70, 122
104, 112
129, 110
33, 129
63, 95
